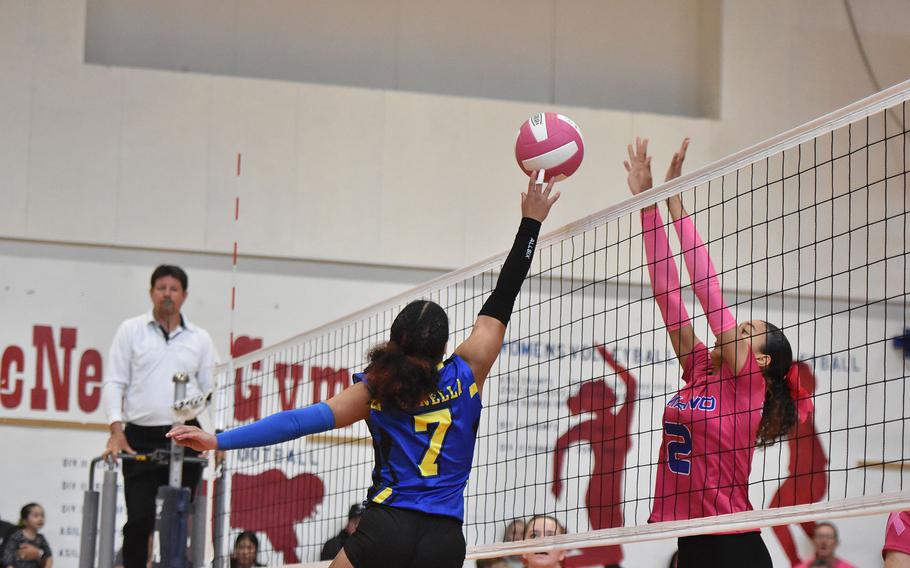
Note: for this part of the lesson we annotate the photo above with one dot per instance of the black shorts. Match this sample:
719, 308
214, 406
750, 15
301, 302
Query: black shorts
400, 538
743, 550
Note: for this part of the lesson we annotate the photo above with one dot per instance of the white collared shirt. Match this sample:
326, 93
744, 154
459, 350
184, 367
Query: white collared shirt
138, 386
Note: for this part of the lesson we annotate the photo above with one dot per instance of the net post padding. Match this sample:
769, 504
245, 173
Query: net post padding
776, 144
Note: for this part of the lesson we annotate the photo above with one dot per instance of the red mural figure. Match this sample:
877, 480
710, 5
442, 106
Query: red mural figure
808, 480
273, 504
608, 435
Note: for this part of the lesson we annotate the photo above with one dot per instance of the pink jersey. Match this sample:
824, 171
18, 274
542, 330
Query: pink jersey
897, 533
708, 441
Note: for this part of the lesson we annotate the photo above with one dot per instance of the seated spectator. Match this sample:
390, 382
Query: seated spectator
540, 526
334, 545
246, 548
27, 548
6, 529
825, 541
515, 530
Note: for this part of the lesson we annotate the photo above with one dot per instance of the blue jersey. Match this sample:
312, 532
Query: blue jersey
424, 455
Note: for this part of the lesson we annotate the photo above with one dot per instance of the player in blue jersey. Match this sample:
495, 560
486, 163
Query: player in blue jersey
422, 412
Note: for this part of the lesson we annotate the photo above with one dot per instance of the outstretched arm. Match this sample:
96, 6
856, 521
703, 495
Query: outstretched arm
343, 409
661, 267
625, 414
706, 286
482, 347
575, 434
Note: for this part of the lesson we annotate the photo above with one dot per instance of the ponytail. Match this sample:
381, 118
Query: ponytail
779, 413
402, 372
399, 379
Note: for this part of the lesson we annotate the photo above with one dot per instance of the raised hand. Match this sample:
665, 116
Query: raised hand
675, 168
537, 201
639, 167
193, 437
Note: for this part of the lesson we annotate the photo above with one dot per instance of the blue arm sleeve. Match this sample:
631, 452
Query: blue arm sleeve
279, 427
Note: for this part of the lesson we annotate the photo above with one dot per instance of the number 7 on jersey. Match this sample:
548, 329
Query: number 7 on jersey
443, 419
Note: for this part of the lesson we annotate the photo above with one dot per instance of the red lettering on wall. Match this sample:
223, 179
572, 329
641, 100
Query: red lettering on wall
43, 340
287, 400
11, 387
89, 380
246, 401
335, 380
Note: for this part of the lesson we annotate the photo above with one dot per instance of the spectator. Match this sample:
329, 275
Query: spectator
515, 530
246, 549
6, 529
674, 560
27, 548
138, 392
334, 545
540, 526
825, 541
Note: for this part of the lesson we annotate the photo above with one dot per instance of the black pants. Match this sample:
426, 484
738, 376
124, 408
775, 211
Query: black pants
387, 536
744, 550
140, 486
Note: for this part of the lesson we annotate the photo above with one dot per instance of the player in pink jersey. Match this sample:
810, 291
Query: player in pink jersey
896, 551
734, 397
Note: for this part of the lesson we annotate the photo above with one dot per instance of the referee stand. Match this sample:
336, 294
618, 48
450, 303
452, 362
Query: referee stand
173, 509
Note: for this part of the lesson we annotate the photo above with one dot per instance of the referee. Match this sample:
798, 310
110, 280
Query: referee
137, 394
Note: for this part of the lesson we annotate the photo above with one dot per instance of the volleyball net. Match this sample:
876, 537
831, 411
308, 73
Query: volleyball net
808, 230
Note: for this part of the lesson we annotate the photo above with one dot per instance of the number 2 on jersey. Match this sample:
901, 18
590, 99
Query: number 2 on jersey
678, 450
443, 419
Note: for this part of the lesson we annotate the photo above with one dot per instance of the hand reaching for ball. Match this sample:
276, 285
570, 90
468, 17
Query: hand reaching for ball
639, 167
537, 201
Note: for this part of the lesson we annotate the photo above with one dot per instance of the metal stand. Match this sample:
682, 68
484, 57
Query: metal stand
89, 532
219, 538
176, 473
197, 537
108, 517
172, 503
172, 508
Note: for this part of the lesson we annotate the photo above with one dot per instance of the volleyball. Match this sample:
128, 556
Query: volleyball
551, 142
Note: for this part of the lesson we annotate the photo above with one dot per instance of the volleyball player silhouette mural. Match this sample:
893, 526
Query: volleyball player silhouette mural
270, 502
608, 434
274, 504
808, 478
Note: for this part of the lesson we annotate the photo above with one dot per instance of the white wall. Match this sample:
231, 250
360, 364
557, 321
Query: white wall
587, 52
145, 158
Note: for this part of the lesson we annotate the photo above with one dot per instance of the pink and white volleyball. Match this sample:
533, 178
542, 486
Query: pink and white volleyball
550, 142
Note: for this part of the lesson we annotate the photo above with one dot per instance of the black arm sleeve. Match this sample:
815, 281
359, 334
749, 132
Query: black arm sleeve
501, 301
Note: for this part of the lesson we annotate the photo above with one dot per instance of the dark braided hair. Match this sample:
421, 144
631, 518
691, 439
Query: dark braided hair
402, 372
779, 413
